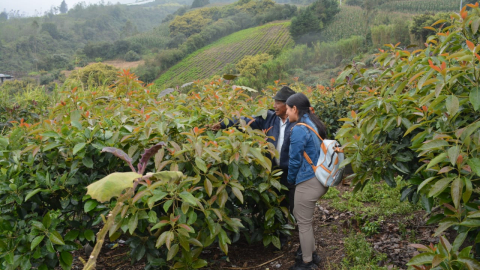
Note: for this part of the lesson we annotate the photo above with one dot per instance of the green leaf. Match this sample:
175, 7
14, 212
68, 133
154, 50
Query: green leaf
421, 259
208, 187
157, 196
31, 193
262, 187
471, 263
47, 220
475, 97
172, 252
88, 162
187, 197
452, 105
468, 190
445, 224
66, 258
56, 238
167, 205
133, 223
3, 141
90, 205
201, 164
51, 146
199, 264
89, 235
474, 164
37, 240
425, 182
276, 242
195, 242
78, 147
238, 194
71, 235
453, 153
111, 186
436, 160
160, 225
434, 144
152, 217
469, 222
38, 225
456, 190
439, 187
270, 213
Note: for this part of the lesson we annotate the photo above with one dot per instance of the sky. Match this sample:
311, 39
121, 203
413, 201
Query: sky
29, 7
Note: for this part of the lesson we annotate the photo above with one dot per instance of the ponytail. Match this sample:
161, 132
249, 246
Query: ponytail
303, 106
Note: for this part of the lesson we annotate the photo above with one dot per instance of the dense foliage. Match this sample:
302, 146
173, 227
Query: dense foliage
419, 119
46, 165
42, 38
311, 20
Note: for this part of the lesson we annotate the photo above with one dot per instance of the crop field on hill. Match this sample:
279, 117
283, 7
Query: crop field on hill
351, 21
228, 50
420, 6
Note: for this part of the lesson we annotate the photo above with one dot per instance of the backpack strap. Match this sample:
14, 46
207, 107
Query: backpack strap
324, 148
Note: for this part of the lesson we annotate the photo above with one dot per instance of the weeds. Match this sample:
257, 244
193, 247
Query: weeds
360, 254
376, 199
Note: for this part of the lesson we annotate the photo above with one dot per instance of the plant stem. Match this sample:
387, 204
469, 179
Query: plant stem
92, 260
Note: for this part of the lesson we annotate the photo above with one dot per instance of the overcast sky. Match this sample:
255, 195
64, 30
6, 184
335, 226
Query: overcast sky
30, 6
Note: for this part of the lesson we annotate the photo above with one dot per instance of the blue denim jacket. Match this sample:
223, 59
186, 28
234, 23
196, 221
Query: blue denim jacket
302, 139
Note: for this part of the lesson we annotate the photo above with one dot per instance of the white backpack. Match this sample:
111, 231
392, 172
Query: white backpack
327, 170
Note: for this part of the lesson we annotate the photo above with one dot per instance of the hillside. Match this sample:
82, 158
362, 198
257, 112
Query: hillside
56, 41
229, 50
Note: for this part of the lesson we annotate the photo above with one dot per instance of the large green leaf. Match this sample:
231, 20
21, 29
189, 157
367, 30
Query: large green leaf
187, 197
475, 98
78, 147
434, 144
56, 238
474, 164
111, 185
420, 259
452, 105
36, 241
201, 164
456, 190
439, 186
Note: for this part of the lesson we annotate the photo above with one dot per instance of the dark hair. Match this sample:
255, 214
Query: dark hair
303, 106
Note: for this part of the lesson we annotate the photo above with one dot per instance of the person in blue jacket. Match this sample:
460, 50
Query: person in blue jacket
279, 127
308, 189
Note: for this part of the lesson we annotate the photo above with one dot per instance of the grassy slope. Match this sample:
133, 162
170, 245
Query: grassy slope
228, 50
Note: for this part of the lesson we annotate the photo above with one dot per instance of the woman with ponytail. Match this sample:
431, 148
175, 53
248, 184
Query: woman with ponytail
308, 188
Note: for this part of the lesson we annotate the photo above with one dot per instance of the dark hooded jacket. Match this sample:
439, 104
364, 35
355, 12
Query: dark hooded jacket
272, 124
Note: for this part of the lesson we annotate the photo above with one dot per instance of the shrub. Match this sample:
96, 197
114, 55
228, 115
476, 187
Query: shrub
227, 188
46, 79
419, 118
131, 56
95, 75
250, 64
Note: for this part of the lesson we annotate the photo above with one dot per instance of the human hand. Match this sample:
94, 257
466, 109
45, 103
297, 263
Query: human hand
216, 127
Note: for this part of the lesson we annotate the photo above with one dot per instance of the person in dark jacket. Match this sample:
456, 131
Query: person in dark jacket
279, 128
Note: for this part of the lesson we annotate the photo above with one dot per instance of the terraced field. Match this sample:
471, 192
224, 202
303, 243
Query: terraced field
231, 49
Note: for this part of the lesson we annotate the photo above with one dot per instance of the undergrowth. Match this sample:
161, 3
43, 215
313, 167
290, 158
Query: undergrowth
376, 199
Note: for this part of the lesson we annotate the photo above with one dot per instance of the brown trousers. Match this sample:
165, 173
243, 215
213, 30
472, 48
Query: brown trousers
306, 196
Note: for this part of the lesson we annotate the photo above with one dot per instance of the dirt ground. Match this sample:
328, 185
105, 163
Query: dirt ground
120, 64
331, 228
